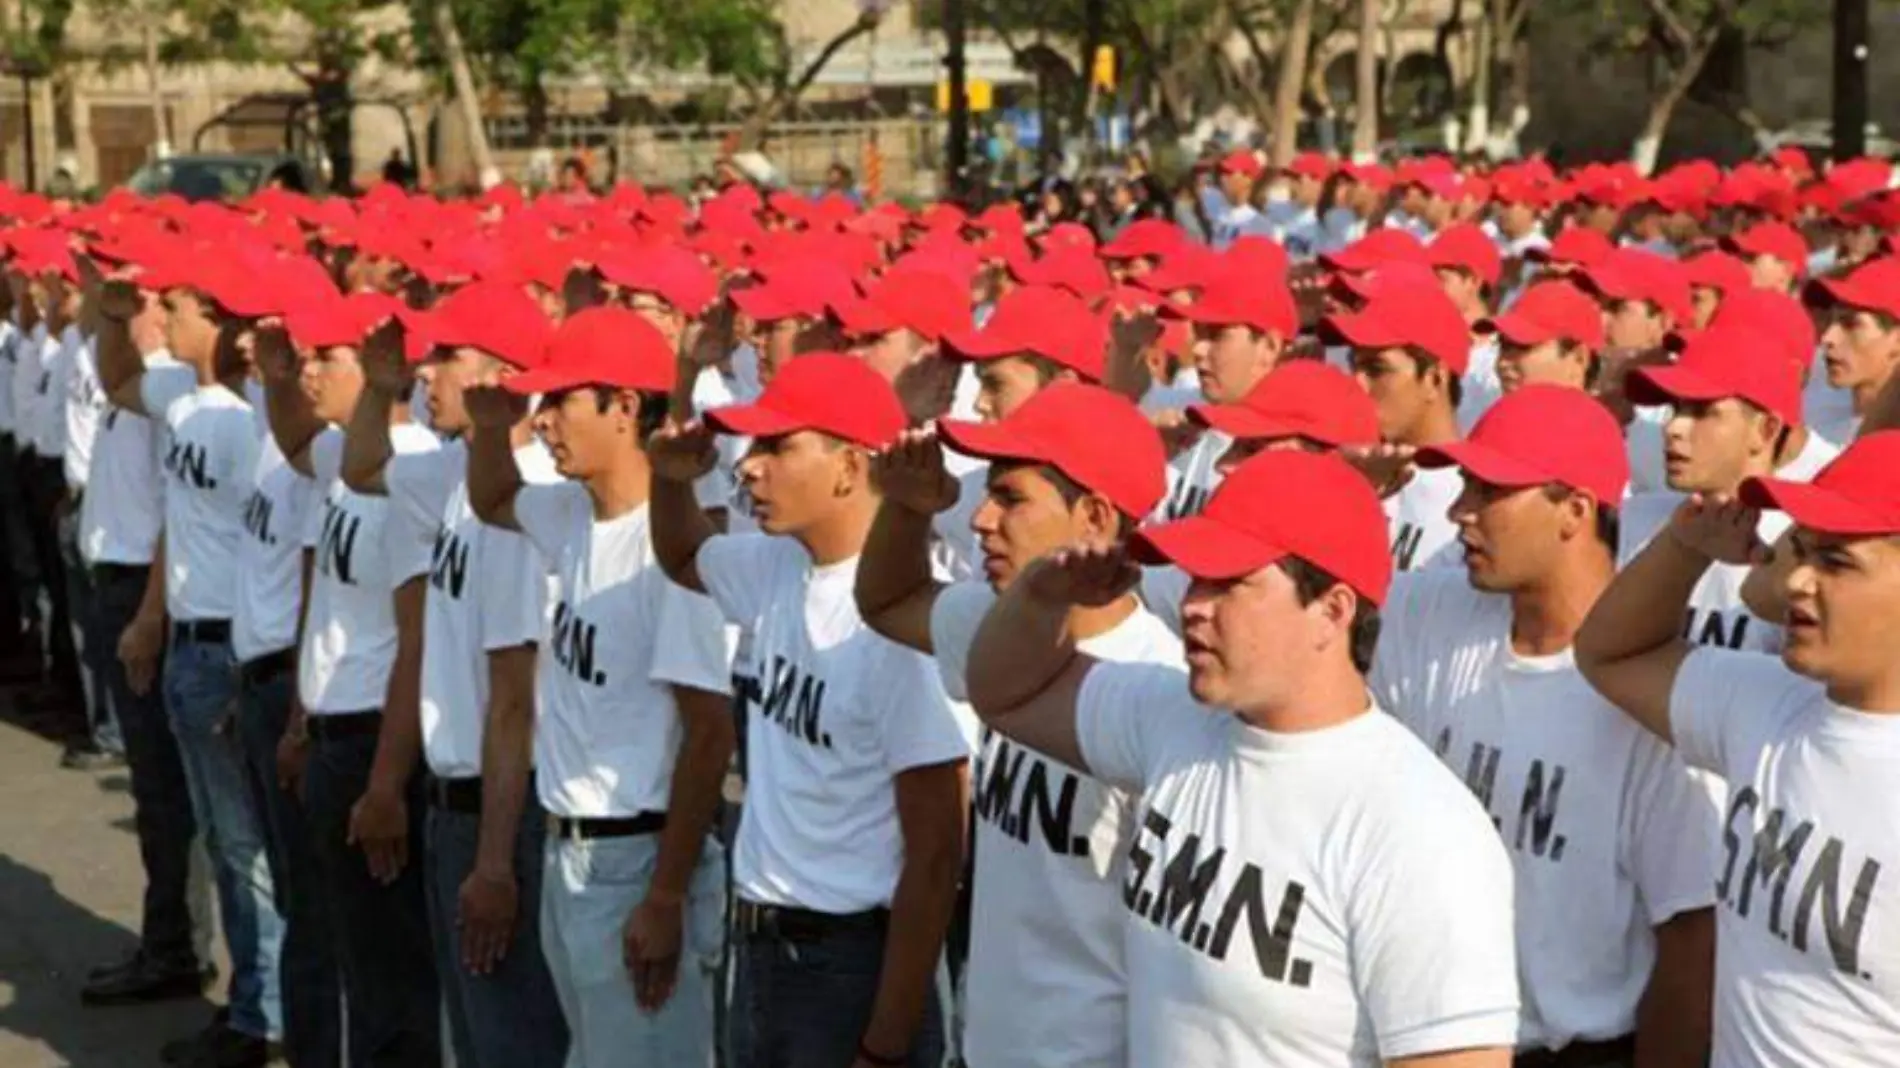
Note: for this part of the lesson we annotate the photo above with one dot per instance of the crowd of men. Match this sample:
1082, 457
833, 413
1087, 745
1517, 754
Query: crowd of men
1150, 653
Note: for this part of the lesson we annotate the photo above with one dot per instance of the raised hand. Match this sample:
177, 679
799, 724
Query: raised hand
385, 366
1720, 528
1127, 370
492, 407
1087, 575
682, 452
910, 473
276, 360
119, 300
1384, 464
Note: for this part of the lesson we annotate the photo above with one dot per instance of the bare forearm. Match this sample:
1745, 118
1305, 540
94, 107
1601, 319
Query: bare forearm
293, 425
152, 602
493, 478
699, 774
366, 447
896, 560
1642, 609
507, 758
920, 916
1022, 646
680, 527
119, 364
399, 742
1673, 1020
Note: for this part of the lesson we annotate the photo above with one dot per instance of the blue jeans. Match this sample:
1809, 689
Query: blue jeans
307, 970
805, 1004
590, 889
161, 800
201, 686
97, 650
381, 931
509, 1018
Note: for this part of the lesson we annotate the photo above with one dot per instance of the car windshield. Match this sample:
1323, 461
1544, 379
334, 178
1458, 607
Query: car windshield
199, 179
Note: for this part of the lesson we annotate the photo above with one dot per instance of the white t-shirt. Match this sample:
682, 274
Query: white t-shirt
1609, 832
1047, 988
1716, 614
364, 551
28, 379
1161, 591
1816, 452
45, 424
1288, 906
841, 712
1418, 520
1241, 220
1808, 931
1482, 388
84, 409
622, 637
1192, 478
124, 507
211, 448
270, 553
9, 366
1644, 440
1826, 408
956, 554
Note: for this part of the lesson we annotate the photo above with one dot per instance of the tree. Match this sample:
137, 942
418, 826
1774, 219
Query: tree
1365, 127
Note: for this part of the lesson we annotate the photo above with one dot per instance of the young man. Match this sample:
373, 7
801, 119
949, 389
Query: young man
83, 407
1644, 298
1860, 339
852, 841
1611, 838
1236, 217
1466, 263
363, 801
1242, 329
482, 619
211, 453
1072, 463
1733, 395
1410, 348
1806, 746
1550, 336
1776, 255
635, 728
1281, 907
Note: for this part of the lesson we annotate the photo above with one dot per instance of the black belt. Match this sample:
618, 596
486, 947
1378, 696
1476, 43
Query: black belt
1585, 1054
121, 571
753, 920
267, 667
572, 828
456, 795
334, 728
207, 631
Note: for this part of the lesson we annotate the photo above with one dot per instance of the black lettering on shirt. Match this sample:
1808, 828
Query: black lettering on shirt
190, 463
1537, 814
574, 643
1714, 629
1186, 501
793, 700
1774, 856
1041, 799
448, 564
1187, 887
257, 517
336, 546
1405, 545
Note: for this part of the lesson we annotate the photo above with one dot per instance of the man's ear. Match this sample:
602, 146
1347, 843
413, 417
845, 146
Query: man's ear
1102, 521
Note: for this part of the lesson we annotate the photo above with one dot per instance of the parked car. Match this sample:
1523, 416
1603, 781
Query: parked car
223, 176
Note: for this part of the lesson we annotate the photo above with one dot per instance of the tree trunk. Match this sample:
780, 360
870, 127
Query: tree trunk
161, 122
330, 90
1294, 54
752, 133
466, 101
1649, 143
1478, 119
1365, 127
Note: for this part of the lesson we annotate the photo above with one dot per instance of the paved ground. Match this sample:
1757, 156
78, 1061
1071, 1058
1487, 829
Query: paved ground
69, 899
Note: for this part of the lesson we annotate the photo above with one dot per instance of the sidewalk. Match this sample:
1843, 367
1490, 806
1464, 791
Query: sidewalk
69, 900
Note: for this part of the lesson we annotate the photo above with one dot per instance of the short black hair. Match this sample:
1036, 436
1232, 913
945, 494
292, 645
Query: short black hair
648, 417
1423, 361
1310, 581
1070, 491
1609, 524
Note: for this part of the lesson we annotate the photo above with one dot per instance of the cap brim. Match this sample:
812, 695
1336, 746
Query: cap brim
542, 380
1365, 331
752, 421
1831, 291
1484, 463
860, 317
1517, 329
1240, 422
1203, 548
979, 345
989, 441
1815, 508
763, 305
1671, 383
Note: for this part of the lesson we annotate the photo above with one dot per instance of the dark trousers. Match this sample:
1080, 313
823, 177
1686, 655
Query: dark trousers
19, 578
160, 796
805, 1004
313, 1036
382, 931
509, 1018
46, 489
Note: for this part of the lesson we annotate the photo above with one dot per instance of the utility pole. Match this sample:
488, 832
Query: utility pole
1850, 78
957, 152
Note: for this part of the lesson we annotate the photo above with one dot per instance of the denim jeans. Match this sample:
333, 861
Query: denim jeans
201, 686
96, 651
381, 931
805, 1004
307, 967
511, 1017
161, 799
590, 889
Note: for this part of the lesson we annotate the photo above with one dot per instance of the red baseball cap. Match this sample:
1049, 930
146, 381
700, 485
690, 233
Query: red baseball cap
1065, 267
1384, 245
924, 302
1873, 286
1311, 506
825, 391
1241, 161
1541, 434
498, 318
1311, 165
1776, 315
672, 273
1298, 399
1718, 271
602, 346
1856, 495
1144, 237
1038, 320
1265, 304
1407, 315
1633, 274
802, 292
1088, 433
1553, 308
1190, 267
334, 320
1776, 239
1467, 248
1363, 286
1576, 246
1739, 361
